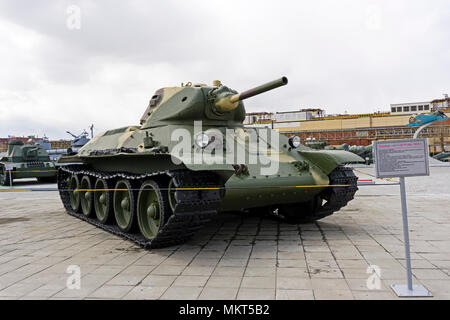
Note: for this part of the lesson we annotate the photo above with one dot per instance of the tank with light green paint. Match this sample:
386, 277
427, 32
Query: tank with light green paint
198, 128
26, 161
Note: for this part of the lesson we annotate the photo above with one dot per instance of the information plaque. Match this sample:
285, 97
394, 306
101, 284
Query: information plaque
401, 158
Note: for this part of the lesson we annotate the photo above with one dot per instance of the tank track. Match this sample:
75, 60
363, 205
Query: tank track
193, 208
336, 198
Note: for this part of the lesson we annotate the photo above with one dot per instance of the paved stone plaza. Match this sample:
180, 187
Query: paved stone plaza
234, 257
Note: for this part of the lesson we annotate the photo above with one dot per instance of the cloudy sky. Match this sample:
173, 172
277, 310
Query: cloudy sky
61, 73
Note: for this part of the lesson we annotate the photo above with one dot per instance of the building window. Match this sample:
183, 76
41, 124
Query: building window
405, 109
427, 107
393, 109
413, 108
420, 108
399, 109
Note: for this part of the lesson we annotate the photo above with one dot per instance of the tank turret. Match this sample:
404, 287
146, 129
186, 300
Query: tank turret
173, 105
13, 143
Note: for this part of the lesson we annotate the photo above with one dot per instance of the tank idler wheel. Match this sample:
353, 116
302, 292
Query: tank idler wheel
124, 205
86, 196
73, 184
103, 201
152, 209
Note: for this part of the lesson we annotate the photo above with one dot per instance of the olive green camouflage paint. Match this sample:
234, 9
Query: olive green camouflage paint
26, 161
148, 148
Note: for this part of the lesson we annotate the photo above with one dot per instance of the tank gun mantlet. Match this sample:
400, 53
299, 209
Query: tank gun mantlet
221, 98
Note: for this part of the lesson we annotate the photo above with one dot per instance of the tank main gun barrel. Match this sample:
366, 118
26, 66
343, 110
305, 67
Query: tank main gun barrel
72, 134
229, 103
260, 89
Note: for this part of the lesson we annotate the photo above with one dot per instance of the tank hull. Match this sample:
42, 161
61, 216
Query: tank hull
120, 150
244, 194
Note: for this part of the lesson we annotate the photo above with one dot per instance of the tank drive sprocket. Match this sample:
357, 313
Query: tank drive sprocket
197, 197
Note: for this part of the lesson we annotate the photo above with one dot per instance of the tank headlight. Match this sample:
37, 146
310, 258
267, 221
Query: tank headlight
294, 141
202, 140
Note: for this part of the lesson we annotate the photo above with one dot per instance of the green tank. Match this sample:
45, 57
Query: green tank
443, 156
316, 144
364, 152
26, 161
344, 146
190, 157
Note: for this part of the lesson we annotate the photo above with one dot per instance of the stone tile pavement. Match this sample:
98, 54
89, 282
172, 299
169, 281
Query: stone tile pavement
234, 256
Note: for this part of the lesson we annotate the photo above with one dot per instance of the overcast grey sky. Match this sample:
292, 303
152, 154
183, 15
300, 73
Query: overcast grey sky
349, 55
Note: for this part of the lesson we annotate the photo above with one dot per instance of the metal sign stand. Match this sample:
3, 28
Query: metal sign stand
416, 134
408, 290
392, 159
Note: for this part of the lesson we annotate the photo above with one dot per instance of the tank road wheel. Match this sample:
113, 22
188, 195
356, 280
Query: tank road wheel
102, 201
172, 192
73, 184
86, 197
124, 205
152, 209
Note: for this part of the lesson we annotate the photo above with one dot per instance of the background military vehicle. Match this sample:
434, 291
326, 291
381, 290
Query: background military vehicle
75, 144
422, 119
315, 144
364, 152
443, 156
131, 181
26, 161
78, 141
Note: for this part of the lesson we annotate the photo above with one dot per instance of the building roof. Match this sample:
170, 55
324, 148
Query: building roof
440, 100
409, 103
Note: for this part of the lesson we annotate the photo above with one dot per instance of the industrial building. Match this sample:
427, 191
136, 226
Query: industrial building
407, 108
421, 107
359, 129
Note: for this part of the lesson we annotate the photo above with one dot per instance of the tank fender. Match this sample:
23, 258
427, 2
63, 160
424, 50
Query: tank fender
328, 160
